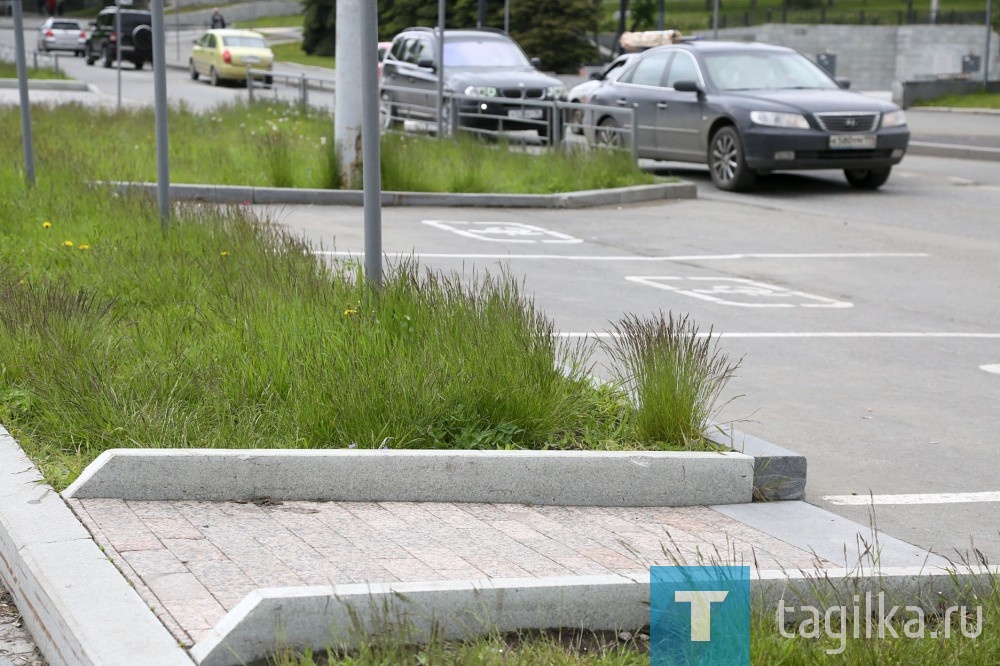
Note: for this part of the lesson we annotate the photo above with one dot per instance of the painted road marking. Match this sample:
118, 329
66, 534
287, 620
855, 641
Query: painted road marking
926, 498
668, 258
739, 292
995, 368
810, 334
510, 232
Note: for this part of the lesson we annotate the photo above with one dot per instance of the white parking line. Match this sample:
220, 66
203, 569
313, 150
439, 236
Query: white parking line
675, 257
927, 498
994, 368
812, 334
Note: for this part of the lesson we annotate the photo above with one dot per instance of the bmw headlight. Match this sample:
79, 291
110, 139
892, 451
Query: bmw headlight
555, 92
481, 91
894, 119
776, 119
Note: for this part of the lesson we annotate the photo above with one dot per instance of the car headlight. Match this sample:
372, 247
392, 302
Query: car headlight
776, 119
555, 92
481, 91
894, 119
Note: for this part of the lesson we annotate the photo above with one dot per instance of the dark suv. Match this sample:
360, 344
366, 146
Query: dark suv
136, 42
487, 71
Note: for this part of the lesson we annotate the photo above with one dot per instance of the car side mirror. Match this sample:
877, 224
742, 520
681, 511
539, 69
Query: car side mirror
595, 76
426, 63
687, 85
536, 63
843, 82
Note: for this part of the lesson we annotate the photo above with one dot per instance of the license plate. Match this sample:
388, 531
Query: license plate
852, 141
251, 60
526, 113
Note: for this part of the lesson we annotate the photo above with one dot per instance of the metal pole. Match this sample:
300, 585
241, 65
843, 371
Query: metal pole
715, 20
22, 87
506, 16
663, 11
440, 72
118, 48
160, 100
177, 28
347, 112
986, 54
481, 14
370, 149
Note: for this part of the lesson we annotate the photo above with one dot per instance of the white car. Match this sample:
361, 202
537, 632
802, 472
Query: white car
580, 94
59, 34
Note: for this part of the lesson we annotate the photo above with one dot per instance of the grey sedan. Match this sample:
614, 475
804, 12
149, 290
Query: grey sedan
57, 34
746, 110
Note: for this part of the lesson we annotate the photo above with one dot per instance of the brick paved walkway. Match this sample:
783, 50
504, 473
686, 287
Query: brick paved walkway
194, 561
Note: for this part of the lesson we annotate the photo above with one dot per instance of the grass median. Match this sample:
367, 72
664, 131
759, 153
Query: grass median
224, 331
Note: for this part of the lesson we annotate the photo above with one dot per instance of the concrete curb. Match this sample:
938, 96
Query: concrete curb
319, 616
562, 478
225, 194
47, 84
78, 607
779, 474
953, 150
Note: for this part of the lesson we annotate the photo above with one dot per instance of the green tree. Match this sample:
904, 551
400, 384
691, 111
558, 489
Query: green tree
556, 31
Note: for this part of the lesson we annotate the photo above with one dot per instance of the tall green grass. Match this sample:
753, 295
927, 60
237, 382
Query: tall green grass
270, 144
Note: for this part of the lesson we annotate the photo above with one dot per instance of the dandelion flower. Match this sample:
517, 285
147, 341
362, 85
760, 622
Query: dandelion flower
223, 254
83, 247
68, 243
46, 224
350, 312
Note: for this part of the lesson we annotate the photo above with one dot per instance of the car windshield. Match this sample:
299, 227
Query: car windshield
765, 71
485, 53
65, 25
245, 40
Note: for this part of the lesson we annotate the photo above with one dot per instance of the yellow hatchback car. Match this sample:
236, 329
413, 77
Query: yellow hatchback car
224, 55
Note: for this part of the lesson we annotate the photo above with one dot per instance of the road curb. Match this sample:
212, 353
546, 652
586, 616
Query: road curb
77, 606
557, 478
953, 150
47, 84
307, 616
779, 474
225, 194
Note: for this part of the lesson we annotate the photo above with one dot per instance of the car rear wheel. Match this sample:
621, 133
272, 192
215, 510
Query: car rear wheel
89, 56
213, 76
387, 114
138, 64
727, 163
609, 133
867, 179
192, 70
108, 56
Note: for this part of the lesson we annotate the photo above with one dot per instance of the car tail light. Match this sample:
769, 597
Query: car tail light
113, 37
50, 34
227, 57
83, 35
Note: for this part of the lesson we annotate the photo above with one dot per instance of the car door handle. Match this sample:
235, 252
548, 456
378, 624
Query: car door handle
622, 102
662, 105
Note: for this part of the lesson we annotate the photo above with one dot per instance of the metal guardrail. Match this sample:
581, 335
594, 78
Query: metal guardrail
300, 80
7, 54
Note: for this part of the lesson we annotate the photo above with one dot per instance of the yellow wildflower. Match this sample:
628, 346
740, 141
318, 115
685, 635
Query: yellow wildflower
349, 312
83, 247
223, 254
46, 224
68, 243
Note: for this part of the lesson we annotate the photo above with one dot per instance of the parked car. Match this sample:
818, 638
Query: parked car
484, 66
383, 49
135, 43
225, 54
580, 93
58, 34
746, 109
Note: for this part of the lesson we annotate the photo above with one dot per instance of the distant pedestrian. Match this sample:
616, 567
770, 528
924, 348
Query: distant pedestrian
217, 20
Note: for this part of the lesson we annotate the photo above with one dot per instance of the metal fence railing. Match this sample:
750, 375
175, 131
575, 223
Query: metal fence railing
34, 59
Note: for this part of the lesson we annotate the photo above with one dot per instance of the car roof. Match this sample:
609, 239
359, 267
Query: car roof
708, 46
234, 32
462, 32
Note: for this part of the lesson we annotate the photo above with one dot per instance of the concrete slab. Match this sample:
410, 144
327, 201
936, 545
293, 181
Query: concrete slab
563, 478
779, 474
55, 572
320, 616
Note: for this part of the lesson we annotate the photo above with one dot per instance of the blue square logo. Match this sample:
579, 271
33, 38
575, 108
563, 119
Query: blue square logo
699, 616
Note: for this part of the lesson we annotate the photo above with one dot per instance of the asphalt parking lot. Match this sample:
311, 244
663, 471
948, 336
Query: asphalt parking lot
868, 323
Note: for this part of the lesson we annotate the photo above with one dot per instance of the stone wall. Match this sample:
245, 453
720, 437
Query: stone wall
876, 57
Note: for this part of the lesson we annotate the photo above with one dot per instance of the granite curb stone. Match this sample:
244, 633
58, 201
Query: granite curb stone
227, 194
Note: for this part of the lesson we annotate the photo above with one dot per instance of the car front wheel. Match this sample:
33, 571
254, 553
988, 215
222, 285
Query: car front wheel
609, 133
387, 117
89, 56
727, 163
867, 179
109, 58
192, 70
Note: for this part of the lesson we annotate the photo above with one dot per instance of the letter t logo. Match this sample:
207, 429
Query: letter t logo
701, 610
